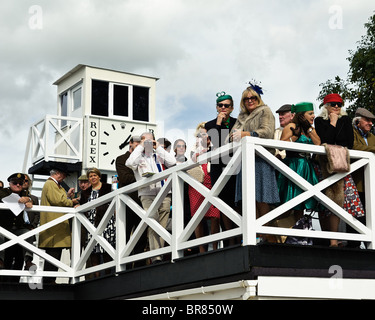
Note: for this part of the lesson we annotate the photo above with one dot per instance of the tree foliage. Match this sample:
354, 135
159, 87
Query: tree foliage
359, 88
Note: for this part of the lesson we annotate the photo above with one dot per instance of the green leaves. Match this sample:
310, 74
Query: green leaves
359, 88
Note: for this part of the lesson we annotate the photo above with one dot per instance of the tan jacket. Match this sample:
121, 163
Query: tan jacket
360, 144
58, 236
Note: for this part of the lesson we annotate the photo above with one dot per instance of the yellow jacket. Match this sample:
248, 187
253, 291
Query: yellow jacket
58, 236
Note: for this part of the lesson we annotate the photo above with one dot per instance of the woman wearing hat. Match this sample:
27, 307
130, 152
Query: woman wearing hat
300, 130
335, 127
218, 129
256, 119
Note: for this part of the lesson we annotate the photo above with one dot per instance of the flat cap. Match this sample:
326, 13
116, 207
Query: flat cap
362, 112
284, 108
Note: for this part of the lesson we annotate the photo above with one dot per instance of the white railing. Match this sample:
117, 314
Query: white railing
55, 138
247, 225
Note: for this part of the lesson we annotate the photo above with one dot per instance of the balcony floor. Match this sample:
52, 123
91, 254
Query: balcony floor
212, 268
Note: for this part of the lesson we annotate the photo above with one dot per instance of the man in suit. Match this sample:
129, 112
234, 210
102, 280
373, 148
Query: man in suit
58, 237
364, 140
14, 223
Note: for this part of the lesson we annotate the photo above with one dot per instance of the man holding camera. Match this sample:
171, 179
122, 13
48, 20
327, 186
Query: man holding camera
147, 159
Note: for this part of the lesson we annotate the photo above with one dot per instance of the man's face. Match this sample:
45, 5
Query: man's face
16, 186
60, 176
148, 143
365, 124
285, 117
133, 145
84, 184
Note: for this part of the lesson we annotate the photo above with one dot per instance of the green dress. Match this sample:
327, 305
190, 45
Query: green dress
300, 163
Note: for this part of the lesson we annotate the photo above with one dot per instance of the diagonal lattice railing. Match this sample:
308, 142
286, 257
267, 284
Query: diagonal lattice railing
177, 240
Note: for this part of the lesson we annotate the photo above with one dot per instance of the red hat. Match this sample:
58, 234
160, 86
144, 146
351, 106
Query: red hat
333, 97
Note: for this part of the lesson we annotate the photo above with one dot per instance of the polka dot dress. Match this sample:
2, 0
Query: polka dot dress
196, 198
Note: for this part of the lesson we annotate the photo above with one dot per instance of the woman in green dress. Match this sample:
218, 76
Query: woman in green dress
299, 130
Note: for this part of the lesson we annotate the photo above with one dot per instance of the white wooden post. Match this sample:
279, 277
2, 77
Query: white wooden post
120, 232
177, 214
46, 138
76, 246
369, 184
248, 192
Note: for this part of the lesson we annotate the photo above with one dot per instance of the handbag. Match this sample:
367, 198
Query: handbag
305, 223
197, 173
338, 158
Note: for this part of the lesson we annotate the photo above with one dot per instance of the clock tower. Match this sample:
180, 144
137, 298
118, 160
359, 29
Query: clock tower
109, 106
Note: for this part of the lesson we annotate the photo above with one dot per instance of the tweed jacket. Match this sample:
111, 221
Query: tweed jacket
360, 144
58, 236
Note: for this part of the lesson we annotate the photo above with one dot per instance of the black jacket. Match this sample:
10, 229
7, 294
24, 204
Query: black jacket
341, 135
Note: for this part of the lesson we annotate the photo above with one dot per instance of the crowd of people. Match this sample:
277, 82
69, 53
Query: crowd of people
148, 155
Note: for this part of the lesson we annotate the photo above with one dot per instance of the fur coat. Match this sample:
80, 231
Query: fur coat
261, 121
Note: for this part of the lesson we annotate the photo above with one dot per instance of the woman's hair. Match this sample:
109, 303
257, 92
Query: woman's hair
93, 170
30, 181
297, 116
253, 93
324, 114
199, 126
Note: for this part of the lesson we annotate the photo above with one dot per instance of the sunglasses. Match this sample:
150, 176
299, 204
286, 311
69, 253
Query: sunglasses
225, 105
334, 104
180, 146
20, 183
253, 98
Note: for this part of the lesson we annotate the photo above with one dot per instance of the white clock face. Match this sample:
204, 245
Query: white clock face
114, 138
109, 138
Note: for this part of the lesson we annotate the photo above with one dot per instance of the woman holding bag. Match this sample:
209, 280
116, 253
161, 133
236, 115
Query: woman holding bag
334, 127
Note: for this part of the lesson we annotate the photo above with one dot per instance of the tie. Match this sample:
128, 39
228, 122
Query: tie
161, 168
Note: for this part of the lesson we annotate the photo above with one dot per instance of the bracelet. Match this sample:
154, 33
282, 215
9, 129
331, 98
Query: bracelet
310, 130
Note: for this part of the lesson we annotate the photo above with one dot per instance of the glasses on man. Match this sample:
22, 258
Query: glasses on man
15, 183
248, 99
224, 105
334, 104
180, 146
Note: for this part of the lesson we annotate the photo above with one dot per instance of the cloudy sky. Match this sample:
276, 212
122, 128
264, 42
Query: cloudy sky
197, 48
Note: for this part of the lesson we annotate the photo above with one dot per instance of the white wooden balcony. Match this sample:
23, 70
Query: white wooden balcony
247, 262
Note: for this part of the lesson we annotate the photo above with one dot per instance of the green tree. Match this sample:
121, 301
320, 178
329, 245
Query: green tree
359, 88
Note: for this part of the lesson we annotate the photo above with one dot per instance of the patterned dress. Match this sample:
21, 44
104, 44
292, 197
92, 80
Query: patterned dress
109, 232
196, 198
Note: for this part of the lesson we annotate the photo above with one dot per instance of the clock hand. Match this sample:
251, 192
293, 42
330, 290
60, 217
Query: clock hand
125, 143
